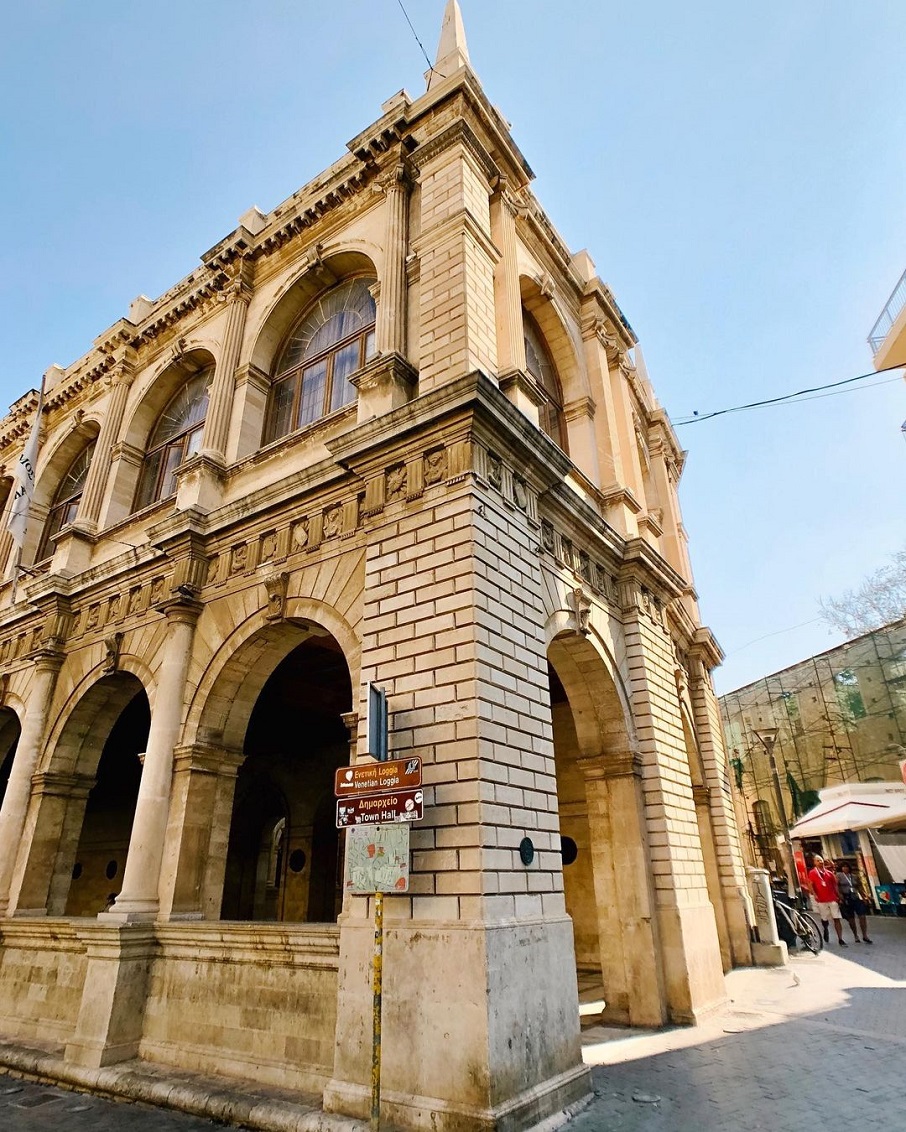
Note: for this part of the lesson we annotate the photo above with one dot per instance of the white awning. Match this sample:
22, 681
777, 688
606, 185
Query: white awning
863, 805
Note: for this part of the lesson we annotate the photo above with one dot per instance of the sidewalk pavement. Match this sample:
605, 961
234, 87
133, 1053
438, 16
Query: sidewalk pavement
820, 1042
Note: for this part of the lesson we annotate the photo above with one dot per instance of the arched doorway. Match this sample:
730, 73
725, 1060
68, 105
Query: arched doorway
84, 802
607, 879
284, 854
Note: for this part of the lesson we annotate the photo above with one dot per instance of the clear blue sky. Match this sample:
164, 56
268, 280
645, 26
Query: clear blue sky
736, 171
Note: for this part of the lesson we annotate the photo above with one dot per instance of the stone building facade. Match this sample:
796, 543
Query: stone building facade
391, 431
840, 718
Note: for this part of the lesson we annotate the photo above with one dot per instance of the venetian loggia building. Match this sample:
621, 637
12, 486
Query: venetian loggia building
395, 431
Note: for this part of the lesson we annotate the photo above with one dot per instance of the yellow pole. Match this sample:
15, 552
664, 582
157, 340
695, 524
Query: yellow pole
377, 982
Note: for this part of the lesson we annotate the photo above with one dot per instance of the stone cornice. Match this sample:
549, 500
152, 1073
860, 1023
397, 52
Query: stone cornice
661, 432
598, 293
458, 133
643, 564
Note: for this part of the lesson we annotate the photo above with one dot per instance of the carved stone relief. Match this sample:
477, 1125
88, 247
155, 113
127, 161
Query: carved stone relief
276, 585
435, 465
397, 483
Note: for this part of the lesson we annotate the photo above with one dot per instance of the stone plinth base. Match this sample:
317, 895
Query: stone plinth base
480, 1024
770, 954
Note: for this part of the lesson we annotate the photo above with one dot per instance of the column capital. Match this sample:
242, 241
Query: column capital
611, 764
62, 784
207, 758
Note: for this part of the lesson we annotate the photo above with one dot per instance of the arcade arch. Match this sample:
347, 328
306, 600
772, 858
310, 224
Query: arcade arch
281, 703
83, 802
608, 886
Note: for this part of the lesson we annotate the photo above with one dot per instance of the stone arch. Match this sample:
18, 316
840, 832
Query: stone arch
316, 275
554, 325
127, 663
53, 466
95, 745
271, 720
147, 401
609, 889
246, 658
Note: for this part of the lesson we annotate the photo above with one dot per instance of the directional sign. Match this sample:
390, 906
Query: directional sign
378, 778
398, 805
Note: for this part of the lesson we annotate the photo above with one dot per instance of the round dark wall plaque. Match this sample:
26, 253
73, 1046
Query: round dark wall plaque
526, 850
569, 849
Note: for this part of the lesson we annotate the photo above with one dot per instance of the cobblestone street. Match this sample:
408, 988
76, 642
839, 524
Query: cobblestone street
819, 1043
822, 1040
26, 1106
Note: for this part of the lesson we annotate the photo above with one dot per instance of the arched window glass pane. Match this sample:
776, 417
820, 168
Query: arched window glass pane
333, 339
539, 365
66, 500
176, 437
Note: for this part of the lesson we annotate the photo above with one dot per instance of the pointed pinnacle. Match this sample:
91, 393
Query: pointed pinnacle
452, 49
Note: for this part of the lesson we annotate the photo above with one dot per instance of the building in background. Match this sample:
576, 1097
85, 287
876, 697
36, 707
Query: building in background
888, 335
392, 431
840, 719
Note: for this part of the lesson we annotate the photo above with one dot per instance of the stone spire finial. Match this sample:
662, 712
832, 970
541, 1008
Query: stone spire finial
452, 50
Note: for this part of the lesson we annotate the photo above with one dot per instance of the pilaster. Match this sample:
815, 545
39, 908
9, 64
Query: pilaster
237, 296
689, 942
703, 655
457, 257
204, 782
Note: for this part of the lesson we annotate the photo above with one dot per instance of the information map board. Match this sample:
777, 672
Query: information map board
377, 859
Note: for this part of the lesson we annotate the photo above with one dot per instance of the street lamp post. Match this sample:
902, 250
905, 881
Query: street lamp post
767, 736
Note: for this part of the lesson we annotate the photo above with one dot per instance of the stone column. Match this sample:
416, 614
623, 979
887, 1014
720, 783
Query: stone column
220, 397
204, 782
139, 899
627, 929
53, 829
392, 312
18, 788
89, 512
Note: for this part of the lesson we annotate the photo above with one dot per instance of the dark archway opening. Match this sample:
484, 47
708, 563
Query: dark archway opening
97, 874
9, 740
284, 855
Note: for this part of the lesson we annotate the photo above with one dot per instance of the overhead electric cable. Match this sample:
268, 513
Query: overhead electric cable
787, 397
412, 29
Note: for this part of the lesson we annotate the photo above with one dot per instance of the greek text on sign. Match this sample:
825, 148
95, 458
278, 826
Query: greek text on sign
397, 806
378, 778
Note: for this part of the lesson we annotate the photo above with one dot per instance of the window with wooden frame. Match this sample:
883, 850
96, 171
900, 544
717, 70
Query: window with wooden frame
176, 436
332, 340
65, 501
539, 364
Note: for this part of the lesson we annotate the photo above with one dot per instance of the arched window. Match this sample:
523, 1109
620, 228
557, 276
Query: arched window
332, 340
539, 365
65, 501
176, 437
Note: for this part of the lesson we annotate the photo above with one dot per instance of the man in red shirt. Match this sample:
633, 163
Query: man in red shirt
823, 886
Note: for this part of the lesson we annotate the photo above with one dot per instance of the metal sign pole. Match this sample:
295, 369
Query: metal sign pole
377, 986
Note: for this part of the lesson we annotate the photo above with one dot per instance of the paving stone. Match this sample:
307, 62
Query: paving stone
774, 1057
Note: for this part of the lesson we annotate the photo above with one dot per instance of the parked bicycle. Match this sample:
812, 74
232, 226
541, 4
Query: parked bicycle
803, 926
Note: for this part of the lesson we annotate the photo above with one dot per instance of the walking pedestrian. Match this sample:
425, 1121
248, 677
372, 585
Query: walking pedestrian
823, 885
853, 904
